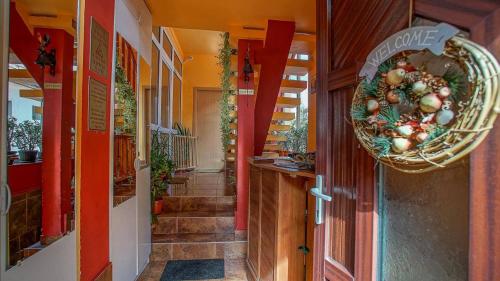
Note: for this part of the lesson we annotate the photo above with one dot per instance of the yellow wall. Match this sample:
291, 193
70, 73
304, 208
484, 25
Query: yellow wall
200, 72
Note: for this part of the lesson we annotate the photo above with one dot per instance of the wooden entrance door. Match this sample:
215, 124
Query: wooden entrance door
207, 129
347, 31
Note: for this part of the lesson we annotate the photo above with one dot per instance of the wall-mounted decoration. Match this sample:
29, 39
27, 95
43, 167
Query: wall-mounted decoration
99, 45
46, 58
97, 105
427, 99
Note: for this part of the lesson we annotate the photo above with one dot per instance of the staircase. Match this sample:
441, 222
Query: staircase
292, 85
198, 221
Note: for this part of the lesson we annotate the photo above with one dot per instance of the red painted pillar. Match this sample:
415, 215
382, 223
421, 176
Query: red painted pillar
245, 145
58, 110
93, 161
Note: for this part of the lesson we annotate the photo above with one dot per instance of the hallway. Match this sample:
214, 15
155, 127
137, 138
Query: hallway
197, 222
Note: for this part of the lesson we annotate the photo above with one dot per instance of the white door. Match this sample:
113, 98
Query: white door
207, 129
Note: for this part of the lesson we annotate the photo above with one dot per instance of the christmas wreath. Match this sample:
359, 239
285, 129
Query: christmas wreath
423, 111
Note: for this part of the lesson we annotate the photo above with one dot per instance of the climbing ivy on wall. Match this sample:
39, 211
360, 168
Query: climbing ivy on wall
224, 61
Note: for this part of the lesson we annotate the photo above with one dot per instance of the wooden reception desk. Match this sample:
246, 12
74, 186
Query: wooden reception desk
277, 224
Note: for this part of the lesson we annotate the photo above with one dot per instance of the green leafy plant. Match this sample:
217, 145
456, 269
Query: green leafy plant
296, 137
11, 130
181, 130
28, 135
160, 164
382, 145
125, 97
456, 82
224, 61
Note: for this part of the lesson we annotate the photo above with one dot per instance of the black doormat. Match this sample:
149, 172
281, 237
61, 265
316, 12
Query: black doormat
193, 270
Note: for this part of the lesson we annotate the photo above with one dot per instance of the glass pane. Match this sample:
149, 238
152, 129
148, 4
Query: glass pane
167, 46
155, 80
424, 225
125, 130
177, 100
156, 32
40, 138
144, 114
165, 96
178, 65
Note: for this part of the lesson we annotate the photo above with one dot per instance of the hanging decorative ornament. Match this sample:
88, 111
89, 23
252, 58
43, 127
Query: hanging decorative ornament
395, 76
427, 99
430, 103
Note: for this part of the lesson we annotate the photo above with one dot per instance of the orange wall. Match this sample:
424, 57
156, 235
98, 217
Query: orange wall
201, 72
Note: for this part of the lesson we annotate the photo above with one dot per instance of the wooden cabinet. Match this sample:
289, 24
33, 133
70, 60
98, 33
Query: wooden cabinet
276, 223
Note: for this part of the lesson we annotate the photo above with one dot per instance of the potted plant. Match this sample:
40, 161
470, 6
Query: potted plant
11, 130
158, 171
27, 136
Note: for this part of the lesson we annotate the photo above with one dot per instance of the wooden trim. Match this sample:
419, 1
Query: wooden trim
323, 115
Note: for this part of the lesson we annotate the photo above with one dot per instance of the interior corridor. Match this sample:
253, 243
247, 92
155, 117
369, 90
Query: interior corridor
197, 222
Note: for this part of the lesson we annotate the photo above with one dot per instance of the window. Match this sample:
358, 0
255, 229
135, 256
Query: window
178, 64
165, 96
176, 101
166, 103
155, 59
167, 46
156, 32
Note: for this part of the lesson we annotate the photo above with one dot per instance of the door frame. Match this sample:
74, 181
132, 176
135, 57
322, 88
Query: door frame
4, 62
484, 175
484, 170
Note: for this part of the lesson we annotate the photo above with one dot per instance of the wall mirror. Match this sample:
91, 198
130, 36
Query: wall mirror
40, 126
125, 124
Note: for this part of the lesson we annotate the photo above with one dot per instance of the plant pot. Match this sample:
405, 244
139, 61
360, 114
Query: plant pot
28, 155
11, 156
157, 207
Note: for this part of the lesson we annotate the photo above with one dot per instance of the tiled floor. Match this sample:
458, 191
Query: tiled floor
198, 223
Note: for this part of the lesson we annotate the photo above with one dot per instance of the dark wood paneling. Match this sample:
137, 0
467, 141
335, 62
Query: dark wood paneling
268, 224
254, 220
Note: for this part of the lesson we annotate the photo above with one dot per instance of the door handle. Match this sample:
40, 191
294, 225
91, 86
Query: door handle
8, 199
320, 198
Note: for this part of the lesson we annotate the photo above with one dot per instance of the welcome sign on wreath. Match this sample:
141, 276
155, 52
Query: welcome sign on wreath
428, 98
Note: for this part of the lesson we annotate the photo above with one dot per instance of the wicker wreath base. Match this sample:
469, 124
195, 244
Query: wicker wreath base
475, 118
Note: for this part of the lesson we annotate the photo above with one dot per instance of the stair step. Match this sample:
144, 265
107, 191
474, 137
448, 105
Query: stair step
200, 191
273, 147
287, 102
231, 147
275, 138
195, 214
233, 114
173, 225
198, 203
279, 128
293, 86
233, 126
283, 116
198, 250
297, 67
232, 136
198, 237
